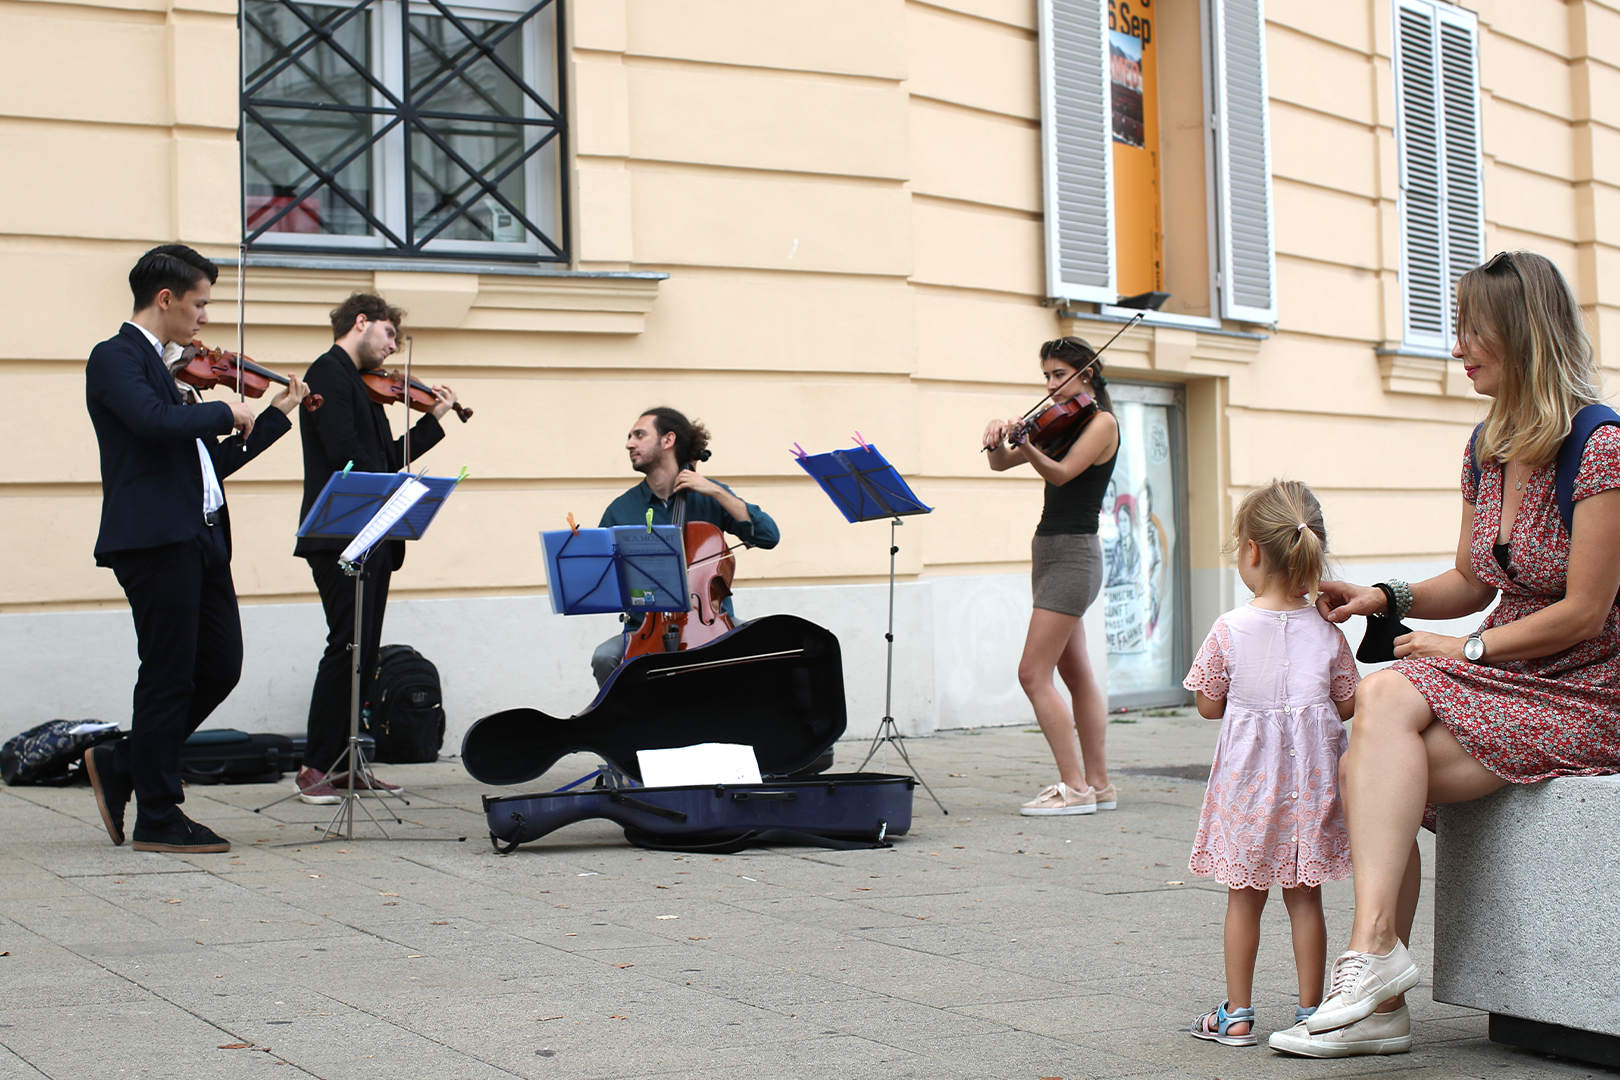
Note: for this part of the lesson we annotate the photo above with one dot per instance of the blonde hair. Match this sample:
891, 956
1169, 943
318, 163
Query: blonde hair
1271, 516
1521, 310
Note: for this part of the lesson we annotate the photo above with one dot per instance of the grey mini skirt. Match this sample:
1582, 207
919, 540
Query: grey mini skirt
1066, 572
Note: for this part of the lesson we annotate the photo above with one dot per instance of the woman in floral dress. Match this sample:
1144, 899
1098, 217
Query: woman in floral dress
1535, 693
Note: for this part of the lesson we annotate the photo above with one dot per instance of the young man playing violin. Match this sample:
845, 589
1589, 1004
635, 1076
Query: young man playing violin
351, 427
166, 534
666, 447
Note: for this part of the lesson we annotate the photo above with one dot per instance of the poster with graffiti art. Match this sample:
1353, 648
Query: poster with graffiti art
1138, 534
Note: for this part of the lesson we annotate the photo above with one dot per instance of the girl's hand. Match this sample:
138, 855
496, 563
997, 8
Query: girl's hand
1338, 600
1422, 643
996, 431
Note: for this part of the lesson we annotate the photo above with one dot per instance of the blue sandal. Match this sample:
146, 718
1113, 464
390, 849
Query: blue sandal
1303, 1013
1201, 1026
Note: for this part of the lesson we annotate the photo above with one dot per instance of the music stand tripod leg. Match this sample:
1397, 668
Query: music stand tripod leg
887, 731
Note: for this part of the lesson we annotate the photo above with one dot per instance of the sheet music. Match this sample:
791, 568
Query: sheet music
398, 505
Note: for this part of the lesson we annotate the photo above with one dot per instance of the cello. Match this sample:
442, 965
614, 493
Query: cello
710, 567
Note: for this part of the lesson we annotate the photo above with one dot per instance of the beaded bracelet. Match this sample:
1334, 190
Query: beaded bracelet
1399, 594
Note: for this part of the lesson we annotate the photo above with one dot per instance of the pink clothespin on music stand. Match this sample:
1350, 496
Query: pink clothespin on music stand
861, 442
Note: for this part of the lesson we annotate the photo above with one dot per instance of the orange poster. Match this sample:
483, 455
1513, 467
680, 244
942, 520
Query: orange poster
1133, 77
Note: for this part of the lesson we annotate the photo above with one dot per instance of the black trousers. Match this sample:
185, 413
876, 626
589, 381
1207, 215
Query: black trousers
189, 635
329, 701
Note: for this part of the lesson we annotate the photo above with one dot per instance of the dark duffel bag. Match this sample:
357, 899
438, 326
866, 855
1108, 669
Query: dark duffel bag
407, 708
46, 754
228, 756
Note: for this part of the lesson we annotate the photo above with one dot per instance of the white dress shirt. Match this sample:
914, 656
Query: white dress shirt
213, 494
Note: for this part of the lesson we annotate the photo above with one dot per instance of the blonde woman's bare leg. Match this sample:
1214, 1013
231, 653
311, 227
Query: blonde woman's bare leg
1399, 759
1049, 634
1090, 706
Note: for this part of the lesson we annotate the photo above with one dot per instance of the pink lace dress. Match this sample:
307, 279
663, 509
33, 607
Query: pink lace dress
1558, 715
1272, 814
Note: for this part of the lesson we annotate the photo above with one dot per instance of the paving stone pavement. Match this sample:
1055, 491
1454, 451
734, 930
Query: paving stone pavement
983, 944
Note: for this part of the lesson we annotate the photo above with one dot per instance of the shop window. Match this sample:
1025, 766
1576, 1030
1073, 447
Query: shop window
1142, 528
1139, 99
1437, 136
405, 128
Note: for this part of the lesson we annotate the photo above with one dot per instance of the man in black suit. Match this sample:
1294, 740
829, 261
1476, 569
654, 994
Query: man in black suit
166, 534
350, 427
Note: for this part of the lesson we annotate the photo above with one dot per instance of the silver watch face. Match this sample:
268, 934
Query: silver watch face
1474, 648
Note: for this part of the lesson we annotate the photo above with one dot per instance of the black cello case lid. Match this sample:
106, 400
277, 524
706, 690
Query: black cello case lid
775, 683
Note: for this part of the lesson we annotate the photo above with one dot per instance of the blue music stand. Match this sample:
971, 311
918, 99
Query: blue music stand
347, 505
614, 570
865, 487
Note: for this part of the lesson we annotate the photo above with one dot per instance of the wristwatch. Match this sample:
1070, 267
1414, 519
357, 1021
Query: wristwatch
1474, 647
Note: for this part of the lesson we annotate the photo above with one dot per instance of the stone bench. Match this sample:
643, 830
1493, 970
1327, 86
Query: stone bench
1527, 914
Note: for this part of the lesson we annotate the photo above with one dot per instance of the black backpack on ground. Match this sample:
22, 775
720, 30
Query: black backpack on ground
407, 708
47, 754
228, 756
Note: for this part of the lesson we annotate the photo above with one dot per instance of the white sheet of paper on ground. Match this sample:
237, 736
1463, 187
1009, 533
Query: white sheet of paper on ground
705, 763
398, 505
88, 726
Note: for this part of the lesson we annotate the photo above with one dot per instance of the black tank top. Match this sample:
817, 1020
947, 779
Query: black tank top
1073, 508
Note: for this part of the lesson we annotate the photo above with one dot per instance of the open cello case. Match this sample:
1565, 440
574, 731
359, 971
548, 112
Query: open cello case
775, 683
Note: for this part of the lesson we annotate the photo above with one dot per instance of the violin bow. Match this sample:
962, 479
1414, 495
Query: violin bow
406, 397
1132, 321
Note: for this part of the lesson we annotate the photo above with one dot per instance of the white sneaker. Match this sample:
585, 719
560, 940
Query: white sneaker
1361, 982
1380, 1033
1060, 799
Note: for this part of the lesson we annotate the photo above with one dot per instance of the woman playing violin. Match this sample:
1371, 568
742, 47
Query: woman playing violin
1067, 573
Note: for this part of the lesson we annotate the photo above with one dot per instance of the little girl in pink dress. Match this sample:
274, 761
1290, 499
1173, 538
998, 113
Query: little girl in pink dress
1282, 681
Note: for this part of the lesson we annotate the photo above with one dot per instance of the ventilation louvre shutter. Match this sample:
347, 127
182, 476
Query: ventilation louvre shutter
1442, 207
1077, 150
1248, 283
1465, 194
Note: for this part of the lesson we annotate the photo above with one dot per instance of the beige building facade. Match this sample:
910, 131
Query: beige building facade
796, 220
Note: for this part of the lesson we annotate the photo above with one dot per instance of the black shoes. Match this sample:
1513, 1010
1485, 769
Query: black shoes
183, 837
113, 789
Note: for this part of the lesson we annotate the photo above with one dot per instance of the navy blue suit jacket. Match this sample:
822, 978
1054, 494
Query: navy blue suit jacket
151, 477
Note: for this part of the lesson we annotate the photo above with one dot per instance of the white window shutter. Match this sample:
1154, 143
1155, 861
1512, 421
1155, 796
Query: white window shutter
1077, 150
1248, 264
1442, 206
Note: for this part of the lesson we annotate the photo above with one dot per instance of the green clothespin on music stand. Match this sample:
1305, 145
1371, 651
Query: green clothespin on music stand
347, 467
649, 519
463, 475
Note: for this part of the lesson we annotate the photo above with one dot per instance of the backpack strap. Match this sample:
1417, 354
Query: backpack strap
1473, 458
1588, 420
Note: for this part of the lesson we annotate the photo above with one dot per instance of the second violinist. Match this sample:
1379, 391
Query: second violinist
1067, 575
350, 426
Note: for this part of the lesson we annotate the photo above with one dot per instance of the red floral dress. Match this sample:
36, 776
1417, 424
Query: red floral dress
1558, 715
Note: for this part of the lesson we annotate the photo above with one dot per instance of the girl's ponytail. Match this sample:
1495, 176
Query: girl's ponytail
1285, 520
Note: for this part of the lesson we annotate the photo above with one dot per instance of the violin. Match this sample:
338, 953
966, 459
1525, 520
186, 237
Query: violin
387, 387
206, 368
1055, 428
710, 567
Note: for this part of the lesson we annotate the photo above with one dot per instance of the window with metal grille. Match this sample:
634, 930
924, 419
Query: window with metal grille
405, 128
1442, 206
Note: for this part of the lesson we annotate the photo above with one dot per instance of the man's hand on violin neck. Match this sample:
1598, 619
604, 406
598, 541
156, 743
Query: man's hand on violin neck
242, 417
289, 399
447, 401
